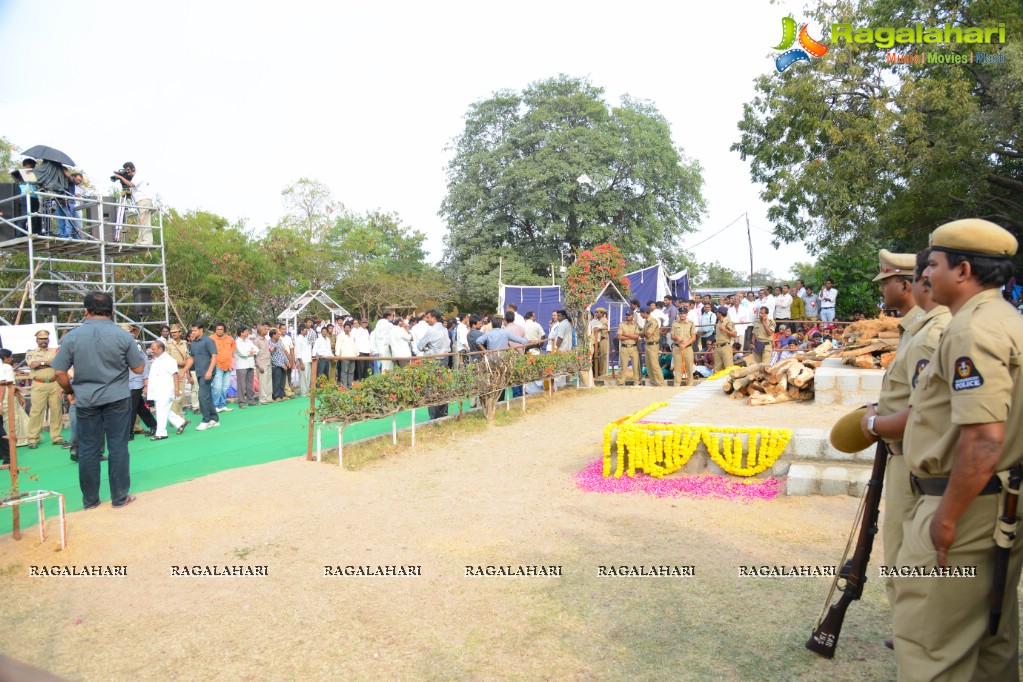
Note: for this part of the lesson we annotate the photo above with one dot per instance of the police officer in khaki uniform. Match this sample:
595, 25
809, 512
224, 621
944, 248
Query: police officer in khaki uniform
683, 336
600, 332
903, 289
965, 431
45, 391
652, 345
763, 336
628, 348
177, 348
726, 335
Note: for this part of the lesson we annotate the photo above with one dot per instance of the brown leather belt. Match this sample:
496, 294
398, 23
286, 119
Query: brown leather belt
44, 381
937, 486
628, 344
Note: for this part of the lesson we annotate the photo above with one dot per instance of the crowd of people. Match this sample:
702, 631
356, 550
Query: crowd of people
689, 339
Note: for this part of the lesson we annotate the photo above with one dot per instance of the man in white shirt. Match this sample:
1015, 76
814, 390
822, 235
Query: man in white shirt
519, 320
360, 332
829, 294
162, 388
766, 300
561, 335
143, 198
419, 330
304, 358
782, 303
534, 330
800, 288
321, 350
344, 347
401, 340
739, 315
382, 339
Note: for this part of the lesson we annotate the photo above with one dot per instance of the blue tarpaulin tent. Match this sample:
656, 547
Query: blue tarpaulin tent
542, 300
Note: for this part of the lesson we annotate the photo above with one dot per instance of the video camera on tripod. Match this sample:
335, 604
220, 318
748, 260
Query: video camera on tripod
118, 175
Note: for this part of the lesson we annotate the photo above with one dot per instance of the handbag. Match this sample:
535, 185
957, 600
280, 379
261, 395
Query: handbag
759, 346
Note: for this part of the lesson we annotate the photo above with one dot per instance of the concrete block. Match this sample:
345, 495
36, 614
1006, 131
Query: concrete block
824, 397
824, 381
834, 481
697, 464
859, 397
802, 480
780, 468
713, 468
806, 444
858, 482
870, 381
848, 383
831, 453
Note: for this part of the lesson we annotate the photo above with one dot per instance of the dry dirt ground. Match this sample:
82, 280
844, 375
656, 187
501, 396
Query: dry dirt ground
464, 497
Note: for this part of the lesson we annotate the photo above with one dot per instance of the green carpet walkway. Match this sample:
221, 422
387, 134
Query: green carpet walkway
255, 435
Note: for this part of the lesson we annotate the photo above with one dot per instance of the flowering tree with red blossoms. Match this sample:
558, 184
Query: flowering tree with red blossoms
592, 270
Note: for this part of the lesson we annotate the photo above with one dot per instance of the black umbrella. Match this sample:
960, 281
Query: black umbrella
43, 153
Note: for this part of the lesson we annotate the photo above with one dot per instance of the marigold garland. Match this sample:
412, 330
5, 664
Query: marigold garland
660, 449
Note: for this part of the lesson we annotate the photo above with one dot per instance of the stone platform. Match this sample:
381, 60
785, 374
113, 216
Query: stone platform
838, 384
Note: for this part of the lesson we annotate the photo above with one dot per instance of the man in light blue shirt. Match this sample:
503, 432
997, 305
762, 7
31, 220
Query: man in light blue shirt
498, 337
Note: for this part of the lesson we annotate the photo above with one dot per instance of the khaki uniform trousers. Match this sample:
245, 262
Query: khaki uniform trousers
266, 386
722, 357
43, 396
653, 365
940, 624
682, 357
899, 500
601, 357
627, 354
195, 392
289, 391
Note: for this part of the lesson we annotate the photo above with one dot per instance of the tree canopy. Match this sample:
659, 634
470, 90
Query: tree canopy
852, 148
554, 169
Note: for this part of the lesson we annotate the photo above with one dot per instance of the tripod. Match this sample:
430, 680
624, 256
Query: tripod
125, 205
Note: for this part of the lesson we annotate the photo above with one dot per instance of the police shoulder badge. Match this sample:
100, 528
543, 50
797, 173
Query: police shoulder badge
966, 375
919, 370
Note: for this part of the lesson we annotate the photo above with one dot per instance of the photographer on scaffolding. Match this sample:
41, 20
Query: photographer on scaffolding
140, 194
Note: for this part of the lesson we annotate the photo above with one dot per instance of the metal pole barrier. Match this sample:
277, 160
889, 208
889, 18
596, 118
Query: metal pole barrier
319, 443
13, 448
394, 429
312, 413
340, 444
413, 428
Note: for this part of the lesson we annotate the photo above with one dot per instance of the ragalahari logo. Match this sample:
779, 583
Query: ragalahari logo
808, 46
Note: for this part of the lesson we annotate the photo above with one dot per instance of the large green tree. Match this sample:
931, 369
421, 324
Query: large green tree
514, 183
852, 148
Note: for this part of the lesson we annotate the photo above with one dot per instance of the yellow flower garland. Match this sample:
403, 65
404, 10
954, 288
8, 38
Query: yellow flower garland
662, 449
722, 373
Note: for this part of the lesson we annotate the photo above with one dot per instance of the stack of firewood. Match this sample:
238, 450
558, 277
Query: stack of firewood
871, 344
790, 379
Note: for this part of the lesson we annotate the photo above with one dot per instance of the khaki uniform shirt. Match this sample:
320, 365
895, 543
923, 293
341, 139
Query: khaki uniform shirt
599, 329
628, 328
974, 377
896, 386
762, 332
682, 329
722, 337
179, 351
924, 335
651, 331
40, 355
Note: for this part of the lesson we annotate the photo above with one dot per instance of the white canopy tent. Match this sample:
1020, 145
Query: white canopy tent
290, 315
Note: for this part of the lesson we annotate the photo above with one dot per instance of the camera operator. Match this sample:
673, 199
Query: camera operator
54, 178
140, 194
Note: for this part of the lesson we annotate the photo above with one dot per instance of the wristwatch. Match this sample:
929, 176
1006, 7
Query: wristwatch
870, 424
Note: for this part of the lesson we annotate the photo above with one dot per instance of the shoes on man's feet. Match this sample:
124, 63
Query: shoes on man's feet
128, 500
66, 445
226, 409
158, 438
181, 429
32, 446
91, 506
203, 426
213, 424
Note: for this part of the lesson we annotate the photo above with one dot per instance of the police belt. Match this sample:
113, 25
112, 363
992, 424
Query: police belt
43, 381
628, 344
937, 486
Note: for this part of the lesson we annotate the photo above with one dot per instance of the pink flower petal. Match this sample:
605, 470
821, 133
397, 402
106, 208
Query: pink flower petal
591, 480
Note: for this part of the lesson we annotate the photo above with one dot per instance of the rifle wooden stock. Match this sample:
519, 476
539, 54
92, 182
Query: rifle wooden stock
824, 639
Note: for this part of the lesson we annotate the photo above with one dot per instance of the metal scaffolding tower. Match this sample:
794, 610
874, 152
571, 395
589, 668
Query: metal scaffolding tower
43, 278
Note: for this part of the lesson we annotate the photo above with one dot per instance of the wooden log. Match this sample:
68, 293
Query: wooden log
737, 395
757, 386
741, 383
823, 349
781, 367
740, 372
802, 378
726, 386
765, 399
863, 350
865, 362
799, 394
794, 369
887, 359
889, 334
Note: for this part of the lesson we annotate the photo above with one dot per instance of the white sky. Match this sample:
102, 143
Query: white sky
223, 104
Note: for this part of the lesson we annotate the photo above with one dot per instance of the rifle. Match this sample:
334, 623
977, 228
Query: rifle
1005, 535
854, 571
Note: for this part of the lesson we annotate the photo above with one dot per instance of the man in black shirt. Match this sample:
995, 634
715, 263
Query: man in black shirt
203, 358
